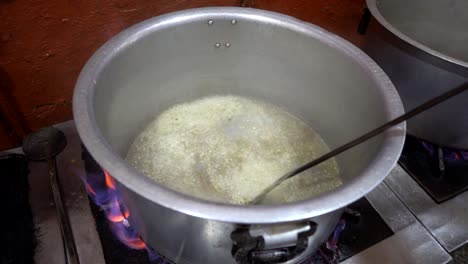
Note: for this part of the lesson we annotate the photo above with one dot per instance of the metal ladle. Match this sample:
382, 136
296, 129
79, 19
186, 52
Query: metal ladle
421, 108
44, 145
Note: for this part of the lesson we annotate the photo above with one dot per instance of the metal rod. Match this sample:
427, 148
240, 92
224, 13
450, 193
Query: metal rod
69, 246
429, 104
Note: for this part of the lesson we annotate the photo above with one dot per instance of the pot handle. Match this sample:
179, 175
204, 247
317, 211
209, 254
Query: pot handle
281, 243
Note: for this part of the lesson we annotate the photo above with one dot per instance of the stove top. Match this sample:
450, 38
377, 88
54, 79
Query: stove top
441, 172
398, 222
360, 228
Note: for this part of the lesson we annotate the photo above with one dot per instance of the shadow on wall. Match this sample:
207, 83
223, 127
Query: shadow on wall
11, 119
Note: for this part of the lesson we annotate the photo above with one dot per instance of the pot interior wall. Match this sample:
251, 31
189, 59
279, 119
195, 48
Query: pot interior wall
439, 25
178, 62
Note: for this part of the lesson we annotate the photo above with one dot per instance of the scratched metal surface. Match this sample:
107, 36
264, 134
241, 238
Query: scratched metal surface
69, 165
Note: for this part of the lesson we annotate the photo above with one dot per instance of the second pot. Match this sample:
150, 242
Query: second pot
422, 46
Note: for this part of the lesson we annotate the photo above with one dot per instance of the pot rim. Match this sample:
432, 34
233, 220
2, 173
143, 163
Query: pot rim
372, 5
99, 148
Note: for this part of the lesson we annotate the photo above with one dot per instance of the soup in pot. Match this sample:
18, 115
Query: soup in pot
229, 149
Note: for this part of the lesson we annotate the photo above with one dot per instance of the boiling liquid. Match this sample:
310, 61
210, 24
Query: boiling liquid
229, 148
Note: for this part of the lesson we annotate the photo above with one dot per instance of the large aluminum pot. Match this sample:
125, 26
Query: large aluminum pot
315, 75
423, 46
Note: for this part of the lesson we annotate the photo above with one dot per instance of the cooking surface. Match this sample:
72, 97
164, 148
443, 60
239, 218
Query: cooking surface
447, 222
416, 231
69, 165
363, 227
18, 239
441, 172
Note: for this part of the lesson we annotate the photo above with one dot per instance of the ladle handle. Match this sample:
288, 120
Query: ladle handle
71, 254
421, 108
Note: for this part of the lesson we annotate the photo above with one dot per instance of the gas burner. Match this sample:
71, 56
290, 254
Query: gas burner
442, 172
121, 244
359, 228
328, 252
105, 195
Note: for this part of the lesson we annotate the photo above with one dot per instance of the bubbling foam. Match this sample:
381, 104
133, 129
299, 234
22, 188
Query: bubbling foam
229, 148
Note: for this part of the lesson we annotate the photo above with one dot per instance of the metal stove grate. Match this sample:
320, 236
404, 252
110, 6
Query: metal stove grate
441, 172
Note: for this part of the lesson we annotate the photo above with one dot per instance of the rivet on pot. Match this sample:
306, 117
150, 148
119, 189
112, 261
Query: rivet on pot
217, 45
210, 22
233, 21
227, 45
